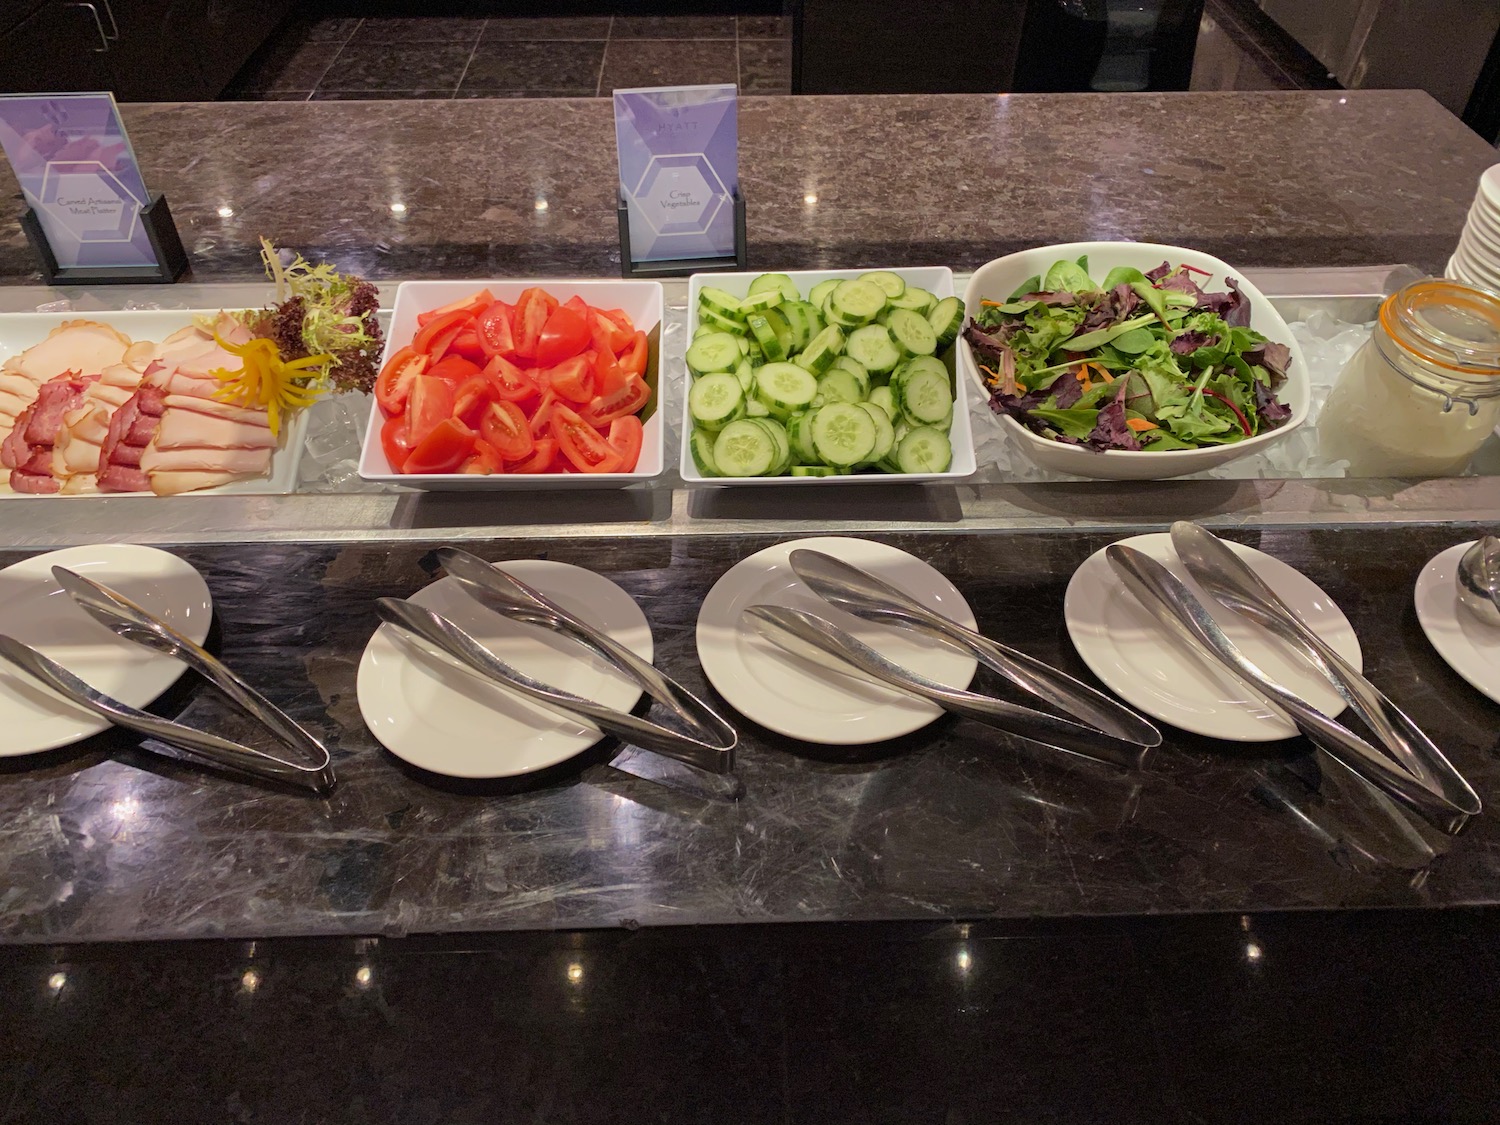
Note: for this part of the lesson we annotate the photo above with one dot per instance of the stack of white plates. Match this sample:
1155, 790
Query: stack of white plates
1477, 259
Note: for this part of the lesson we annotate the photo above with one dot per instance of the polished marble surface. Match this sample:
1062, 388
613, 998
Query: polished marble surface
106, 842
1306, 1019
1259, 179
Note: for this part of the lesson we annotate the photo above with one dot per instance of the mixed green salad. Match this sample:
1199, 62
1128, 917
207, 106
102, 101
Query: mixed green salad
1142, 361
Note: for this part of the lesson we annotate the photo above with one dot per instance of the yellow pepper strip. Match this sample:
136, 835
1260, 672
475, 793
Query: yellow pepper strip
267, 382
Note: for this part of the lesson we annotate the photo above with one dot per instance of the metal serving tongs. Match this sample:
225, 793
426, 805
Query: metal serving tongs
507, 595
129, 621
862, 594
1168, 600
821, 641
450, 639
1224, 576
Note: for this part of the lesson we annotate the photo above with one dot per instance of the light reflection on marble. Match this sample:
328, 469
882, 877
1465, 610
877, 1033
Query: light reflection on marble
108, 842
1259, 179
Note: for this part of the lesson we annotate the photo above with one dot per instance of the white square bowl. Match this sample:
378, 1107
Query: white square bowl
935, 279
641, 300
997, 280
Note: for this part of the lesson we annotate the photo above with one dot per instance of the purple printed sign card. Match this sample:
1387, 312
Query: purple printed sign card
79, 176
679, 170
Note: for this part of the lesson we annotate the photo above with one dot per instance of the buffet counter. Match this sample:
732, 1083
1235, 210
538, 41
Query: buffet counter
988, 932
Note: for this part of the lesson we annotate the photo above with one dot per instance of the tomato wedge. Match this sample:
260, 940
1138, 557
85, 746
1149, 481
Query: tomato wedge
627, 435
634, 361
466, 344
485, 459
540, 460
495, 327
541, 418
608, 376
632, 395
394, 384
469, 304
434, 337
431, 404
396, 441
471, 398
505, 427
609, 336
565, 334
532, 311
573, 379
454, 368
581, 444
510, 382
444, 450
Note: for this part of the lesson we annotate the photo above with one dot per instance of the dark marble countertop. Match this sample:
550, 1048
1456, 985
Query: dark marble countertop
105, 842
518, 187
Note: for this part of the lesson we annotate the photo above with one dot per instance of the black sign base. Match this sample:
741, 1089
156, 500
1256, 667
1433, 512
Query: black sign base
681, 267
172, 259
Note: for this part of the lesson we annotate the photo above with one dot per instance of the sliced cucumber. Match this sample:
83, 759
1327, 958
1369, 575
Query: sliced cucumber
717, 351
890, 283
856, 302
839, 384
744, 449
823, 350
719, 322
925, 398
785, 388
745, 373
947, 320
885, 433
703, 330
916, 299
754, 408
702, 446
776, 283
772, 333
799, 432
716, 400
818, 294
777, 433
924, 449
912, 332
813, 471
759, 302
725, 304
843, 434
882, 397
873, 349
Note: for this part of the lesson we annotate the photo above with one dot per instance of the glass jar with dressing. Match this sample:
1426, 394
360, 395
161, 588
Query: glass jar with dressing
1423, 393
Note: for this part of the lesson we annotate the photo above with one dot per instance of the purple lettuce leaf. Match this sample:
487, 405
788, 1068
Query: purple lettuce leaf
1057, 297
1275, 358
1272, 411
1019, 407
1111, 432
1186, 343
1232, 305
1161, 271
988, 343
1068, 390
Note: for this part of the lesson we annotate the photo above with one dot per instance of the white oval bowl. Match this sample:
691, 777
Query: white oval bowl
997, 280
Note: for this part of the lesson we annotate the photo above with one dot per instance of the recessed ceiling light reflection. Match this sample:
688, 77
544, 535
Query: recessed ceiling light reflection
56, 981
226, 212
363, 976
250, 981
398, 208
810, 198
963, 961
540, 205
1253, 952
575, 973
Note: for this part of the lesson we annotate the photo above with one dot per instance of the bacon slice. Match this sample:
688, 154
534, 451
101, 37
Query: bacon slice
28, 449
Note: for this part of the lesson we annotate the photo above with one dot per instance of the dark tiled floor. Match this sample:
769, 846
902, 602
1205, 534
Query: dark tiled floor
583, 56
588, 56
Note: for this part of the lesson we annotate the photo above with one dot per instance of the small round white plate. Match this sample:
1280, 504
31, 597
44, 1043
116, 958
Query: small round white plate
1161, 674
1471, 648
437, 714
801, 699
35, 610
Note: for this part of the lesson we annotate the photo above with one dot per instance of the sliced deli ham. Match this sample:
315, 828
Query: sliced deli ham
28, 449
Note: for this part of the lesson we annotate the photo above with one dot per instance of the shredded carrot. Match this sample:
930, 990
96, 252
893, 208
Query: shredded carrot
1108, 378
992, 374
1140, 425
992, 304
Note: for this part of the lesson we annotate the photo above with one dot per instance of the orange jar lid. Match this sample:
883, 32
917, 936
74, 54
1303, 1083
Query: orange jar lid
1448, 324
